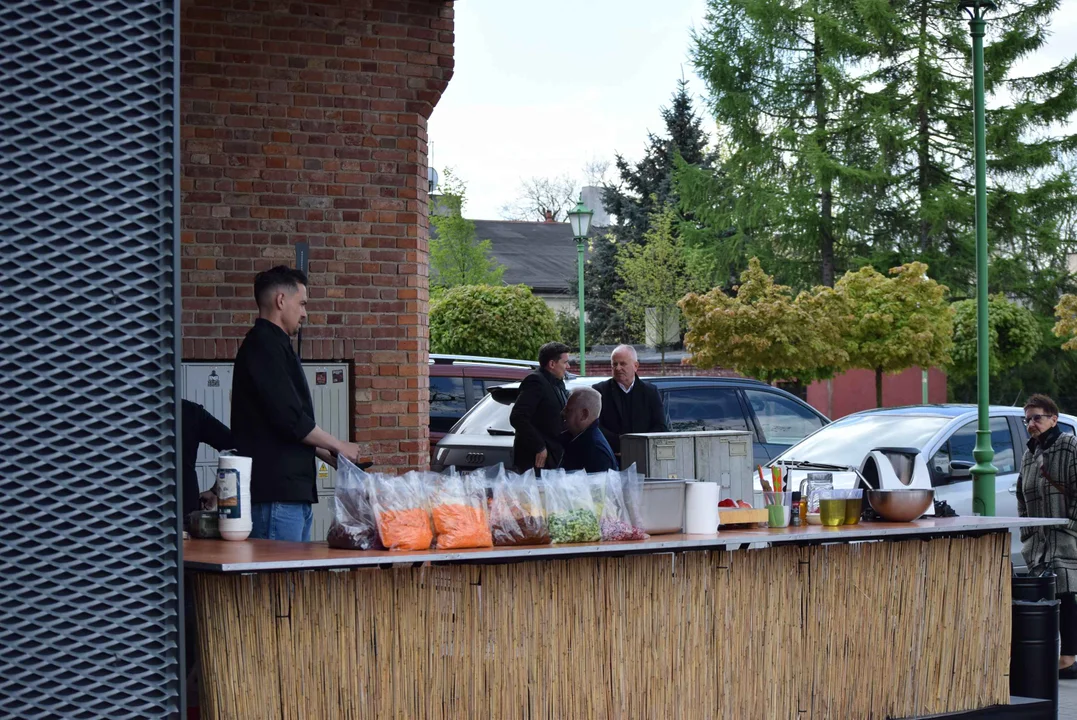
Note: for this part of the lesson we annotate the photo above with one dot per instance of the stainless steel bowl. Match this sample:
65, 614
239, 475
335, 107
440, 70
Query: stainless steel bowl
900, 505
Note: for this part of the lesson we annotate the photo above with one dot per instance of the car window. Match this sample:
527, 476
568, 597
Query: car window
447, 402
959, 447
485, 415
782, 420
1066, 428
704, 409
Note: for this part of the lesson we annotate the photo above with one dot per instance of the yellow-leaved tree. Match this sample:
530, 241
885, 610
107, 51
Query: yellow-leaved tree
897, 321
1066, 327
765, 332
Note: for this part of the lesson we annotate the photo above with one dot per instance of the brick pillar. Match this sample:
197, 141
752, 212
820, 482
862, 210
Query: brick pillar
306, 121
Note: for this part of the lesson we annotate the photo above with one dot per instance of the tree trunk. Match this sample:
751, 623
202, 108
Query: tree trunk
878, 387
826, 195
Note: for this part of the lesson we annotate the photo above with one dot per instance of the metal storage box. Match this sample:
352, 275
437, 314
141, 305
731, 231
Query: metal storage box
721, 456
663, 506
660, 455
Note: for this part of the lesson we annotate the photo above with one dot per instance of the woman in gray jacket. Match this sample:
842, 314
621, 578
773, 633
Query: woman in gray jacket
1047, 487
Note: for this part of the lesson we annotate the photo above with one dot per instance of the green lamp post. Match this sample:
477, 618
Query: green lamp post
580, 220
983, 472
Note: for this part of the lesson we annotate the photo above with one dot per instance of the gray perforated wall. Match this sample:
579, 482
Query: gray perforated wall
90, 575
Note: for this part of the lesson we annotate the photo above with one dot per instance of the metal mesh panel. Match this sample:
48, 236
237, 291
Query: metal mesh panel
89, 552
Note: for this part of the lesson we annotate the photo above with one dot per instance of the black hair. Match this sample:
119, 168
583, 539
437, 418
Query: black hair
277, 278
551, 351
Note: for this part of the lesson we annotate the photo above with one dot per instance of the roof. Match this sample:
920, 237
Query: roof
539, 255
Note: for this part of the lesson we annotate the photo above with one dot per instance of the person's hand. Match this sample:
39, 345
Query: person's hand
540, 459
349, 450
208, 500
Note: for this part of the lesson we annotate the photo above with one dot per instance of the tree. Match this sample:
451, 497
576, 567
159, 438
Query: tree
1066, 327
456, 257
655, 278
763, 331
1014, 335
646, 187
642, 188
542, 198
924, 80
896, 322
506, 321
783, 87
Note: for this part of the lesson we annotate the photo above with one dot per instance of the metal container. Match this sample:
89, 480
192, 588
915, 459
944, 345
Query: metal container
663, 506
203, 524
660, 455
900, 505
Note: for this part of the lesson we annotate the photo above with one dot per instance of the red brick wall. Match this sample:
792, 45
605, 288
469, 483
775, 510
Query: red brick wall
854, 391
306, 121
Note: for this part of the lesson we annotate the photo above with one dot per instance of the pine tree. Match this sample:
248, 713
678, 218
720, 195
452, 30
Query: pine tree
784, 86
643, 188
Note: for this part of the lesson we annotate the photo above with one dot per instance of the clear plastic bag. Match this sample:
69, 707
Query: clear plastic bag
354, 526
621, 515
516, 514
459, 511
570, 507
401, 508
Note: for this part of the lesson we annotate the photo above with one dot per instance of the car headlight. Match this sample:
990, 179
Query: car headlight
442, 452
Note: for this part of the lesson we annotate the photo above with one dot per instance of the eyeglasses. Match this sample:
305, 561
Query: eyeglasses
1035, 418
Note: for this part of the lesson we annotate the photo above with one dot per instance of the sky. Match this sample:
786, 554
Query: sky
542, 88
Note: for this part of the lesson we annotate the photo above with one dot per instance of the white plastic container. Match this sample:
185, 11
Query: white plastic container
234, 496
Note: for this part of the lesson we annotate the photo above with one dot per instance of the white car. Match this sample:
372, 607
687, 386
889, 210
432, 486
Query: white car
935, 444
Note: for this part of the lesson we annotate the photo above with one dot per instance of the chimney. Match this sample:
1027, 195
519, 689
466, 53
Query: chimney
592, 198
549, 216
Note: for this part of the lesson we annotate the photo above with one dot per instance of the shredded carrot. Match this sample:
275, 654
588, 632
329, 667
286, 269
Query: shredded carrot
405, 529
461, 526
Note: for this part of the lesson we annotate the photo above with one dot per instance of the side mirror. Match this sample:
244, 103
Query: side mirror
960, 469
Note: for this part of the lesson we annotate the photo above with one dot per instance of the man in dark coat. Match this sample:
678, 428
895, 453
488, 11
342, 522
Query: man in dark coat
629, 405
585, 446
198, 427
536, 416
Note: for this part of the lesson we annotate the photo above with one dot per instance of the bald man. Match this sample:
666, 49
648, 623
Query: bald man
585, 447
629, 405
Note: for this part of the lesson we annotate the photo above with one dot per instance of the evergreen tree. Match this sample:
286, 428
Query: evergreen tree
784, 87
643, 188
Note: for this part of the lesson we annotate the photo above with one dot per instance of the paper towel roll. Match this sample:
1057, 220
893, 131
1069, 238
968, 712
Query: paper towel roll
234, 496
701, 508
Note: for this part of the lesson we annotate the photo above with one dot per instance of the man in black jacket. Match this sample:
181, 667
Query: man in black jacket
198, 427
536, 416
629, 405
273, 413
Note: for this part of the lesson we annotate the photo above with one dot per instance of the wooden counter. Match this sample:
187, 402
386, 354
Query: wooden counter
263, 555
814, 625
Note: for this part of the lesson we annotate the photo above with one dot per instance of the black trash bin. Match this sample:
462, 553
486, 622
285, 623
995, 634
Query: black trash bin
1034, 640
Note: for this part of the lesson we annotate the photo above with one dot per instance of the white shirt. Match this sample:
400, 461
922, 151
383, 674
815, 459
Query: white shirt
628, 389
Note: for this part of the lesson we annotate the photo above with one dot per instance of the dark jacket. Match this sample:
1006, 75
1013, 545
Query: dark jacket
588, 451
198, 427
536, 417
272, 411
639, 411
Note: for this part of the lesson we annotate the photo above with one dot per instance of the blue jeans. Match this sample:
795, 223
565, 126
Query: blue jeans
281, 521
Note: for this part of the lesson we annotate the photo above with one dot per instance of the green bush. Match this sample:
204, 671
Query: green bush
492, 321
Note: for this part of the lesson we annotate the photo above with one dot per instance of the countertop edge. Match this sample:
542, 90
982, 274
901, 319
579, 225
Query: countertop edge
727, 539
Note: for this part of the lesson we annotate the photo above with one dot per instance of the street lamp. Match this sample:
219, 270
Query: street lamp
579, 218
983, 472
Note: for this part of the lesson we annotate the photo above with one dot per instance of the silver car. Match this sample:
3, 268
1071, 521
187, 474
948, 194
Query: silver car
942, 438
